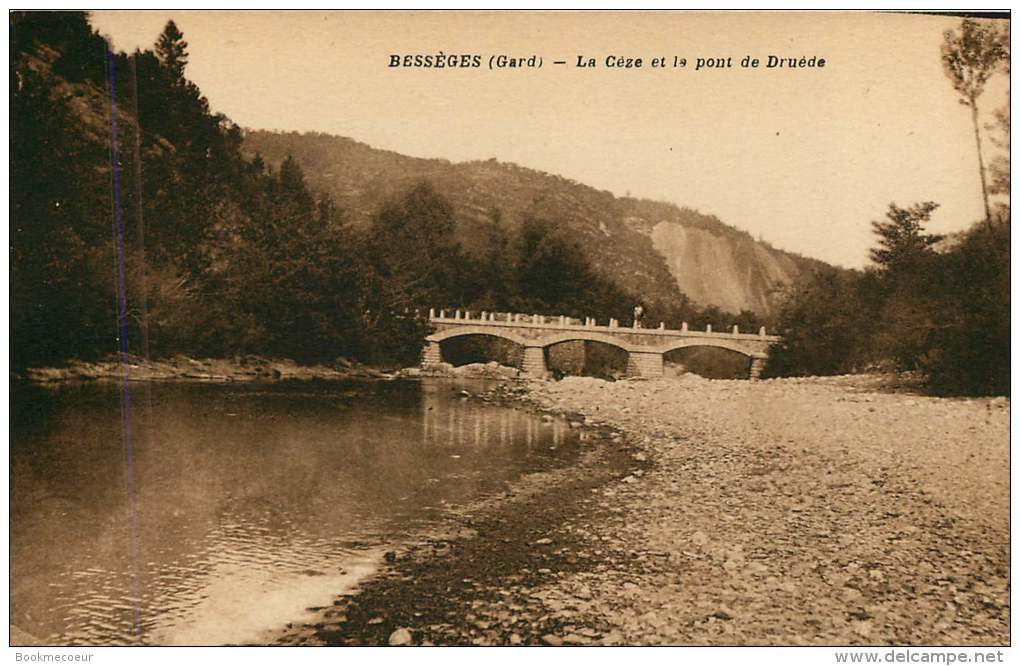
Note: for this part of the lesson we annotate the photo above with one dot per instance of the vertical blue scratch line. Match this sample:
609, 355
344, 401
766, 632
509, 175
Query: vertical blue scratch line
122, 331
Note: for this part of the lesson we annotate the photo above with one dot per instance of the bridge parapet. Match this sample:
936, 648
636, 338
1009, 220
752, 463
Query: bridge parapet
556, 322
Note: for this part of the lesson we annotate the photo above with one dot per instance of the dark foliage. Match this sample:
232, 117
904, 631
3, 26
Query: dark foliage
821, 323
969, 350
60, 211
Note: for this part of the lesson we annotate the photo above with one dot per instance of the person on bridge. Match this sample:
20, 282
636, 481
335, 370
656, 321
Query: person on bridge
639, 312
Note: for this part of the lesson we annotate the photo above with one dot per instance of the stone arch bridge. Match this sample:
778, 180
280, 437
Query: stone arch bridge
645, 347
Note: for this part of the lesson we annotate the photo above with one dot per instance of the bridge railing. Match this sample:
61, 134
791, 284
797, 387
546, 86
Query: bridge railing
563, 321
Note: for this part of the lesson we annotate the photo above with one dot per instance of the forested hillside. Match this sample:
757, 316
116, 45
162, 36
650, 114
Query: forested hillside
656, 250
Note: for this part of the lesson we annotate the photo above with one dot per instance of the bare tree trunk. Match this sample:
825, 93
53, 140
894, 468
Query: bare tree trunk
981, 162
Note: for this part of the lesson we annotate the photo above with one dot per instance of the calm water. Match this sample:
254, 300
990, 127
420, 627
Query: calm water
241, 505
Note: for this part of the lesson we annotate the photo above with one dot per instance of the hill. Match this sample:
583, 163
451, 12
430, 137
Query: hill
651, 248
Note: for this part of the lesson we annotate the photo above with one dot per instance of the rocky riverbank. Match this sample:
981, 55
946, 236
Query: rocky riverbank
184, 368
245, 368
819, 511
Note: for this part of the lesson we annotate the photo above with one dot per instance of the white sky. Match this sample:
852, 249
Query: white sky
803, 158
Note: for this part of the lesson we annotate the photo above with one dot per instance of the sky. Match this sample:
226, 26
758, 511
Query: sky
803, 158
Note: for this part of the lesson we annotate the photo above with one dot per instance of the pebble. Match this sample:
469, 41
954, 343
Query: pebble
401, 636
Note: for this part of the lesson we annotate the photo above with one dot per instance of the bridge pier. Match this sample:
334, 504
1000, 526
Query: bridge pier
644, 364
534, 362
757, 365
432, 354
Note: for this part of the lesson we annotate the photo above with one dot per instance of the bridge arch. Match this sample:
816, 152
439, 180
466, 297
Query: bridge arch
705, 342
586, 336
463, 331
609, 357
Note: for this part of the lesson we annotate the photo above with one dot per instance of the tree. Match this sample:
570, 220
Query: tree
552, 272
999, 167
61, 305
415, 249
172, 51
902, 245
969, 58
822, 321
970, 347
495, 266
907, 268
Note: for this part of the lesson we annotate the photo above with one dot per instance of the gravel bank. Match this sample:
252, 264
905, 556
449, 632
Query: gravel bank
817, 511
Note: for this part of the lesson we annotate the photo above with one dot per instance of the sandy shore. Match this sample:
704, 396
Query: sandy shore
817, 511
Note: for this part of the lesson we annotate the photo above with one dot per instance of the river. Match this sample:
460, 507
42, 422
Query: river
204, 514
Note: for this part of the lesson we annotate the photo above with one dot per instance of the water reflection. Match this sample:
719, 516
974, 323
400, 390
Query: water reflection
476, 425
251, 503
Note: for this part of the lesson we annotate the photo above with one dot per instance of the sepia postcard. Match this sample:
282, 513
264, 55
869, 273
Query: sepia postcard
515, 328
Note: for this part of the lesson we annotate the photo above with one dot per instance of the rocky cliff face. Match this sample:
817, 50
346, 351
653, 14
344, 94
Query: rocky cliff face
713, 263
713, 269
654, 250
